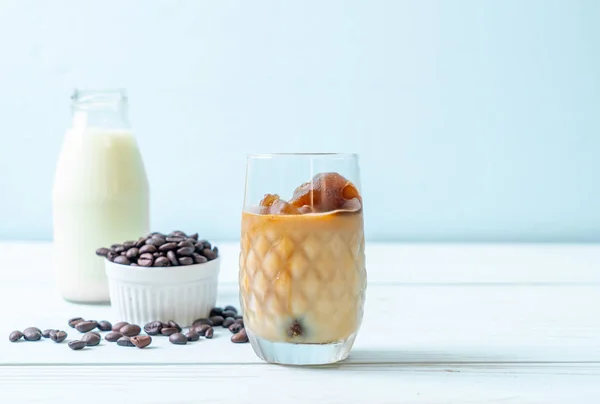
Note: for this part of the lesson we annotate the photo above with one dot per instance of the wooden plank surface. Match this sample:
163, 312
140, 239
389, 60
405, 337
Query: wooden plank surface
519, 336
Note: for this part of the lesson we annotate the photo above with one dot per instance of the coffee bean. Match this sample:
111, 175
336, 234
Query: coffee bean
185, 251
32, 334
29, 329
204, 244
73, 322
203, 321
216, 311
235, 328
200, 329
148, 249
209, 254
156, 241
113, 336
133, 253
77, 345
119, 325
111, 256
102, 252
86, 326
185, 243
58, 336
229, 313
240, 337
168, 331
186, 261
167, 247
178, 233
178, 339
217, 320
15, 336
216, 251
230, 308
119, 249
141, 341
153, 328
104, 325
173, 324
172, 258
228, 321
199, 259
174, 239
146, 260
125, 341
46, 333
128, 244
157, 254
141, 242
194, 236
209, 333
130, 330
162, 262
91, 338
192, 336
122, 260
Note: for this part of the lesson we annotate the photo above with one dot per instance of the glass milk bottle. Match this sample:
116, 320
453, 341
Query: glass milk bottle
100, 194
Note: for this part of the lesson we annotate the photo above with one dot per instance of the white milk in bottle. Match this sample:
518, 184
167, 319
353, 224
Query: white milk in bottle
100, 194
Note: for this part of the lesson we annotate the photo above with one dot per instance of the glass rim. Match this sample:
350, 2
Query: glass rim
315, 155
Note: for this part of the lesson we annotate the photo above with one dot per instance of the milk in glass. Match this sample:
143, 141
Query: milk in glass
100, 194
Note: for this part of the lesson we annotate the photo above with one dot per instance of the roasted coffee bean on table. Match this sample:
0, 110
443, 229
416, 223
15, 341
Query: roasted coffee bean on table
58, 336
91, 338
46, 333
240, 337
230, 308
104, 325
235, 327
173, 324
86, 326
169, 331
141, 341
216, 311
178, 339
113, 336
209, 333
32, 334
153, 328
192, 336
119, 325
74, 321
203, 321
125, 341
186, 261
15, 336
200, 329
130, 330
229, 313
217, 320
77, 345
228, 322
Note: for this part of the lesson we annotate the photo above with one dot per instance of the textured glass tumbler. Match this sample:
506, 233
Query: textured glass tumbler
302, 263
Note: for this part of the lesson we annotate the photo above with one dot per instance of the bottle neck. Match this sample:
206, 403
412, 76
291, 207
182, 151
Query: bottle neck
100, 109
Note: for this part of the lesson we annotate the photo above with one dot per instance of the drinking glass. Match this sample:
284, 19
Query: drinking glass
302, 263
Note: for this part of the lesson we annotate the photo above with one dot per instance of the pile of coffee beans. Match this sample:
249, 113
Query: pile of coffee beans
129, 335
161, 250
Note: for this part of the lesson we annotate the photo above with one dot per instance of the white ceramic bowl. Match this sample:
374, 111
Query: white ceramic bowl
183, 294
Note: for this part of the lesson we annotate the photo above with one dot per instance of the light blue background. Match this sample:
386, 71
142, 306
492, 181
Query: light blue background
475, 120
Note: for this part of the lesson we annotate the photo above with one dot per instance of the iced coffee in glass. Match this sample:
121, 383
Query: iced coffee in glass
302, 263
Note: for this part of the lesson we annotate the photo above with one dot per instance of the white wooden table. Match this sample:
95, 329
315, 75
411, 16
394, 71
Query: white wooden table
443, 324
